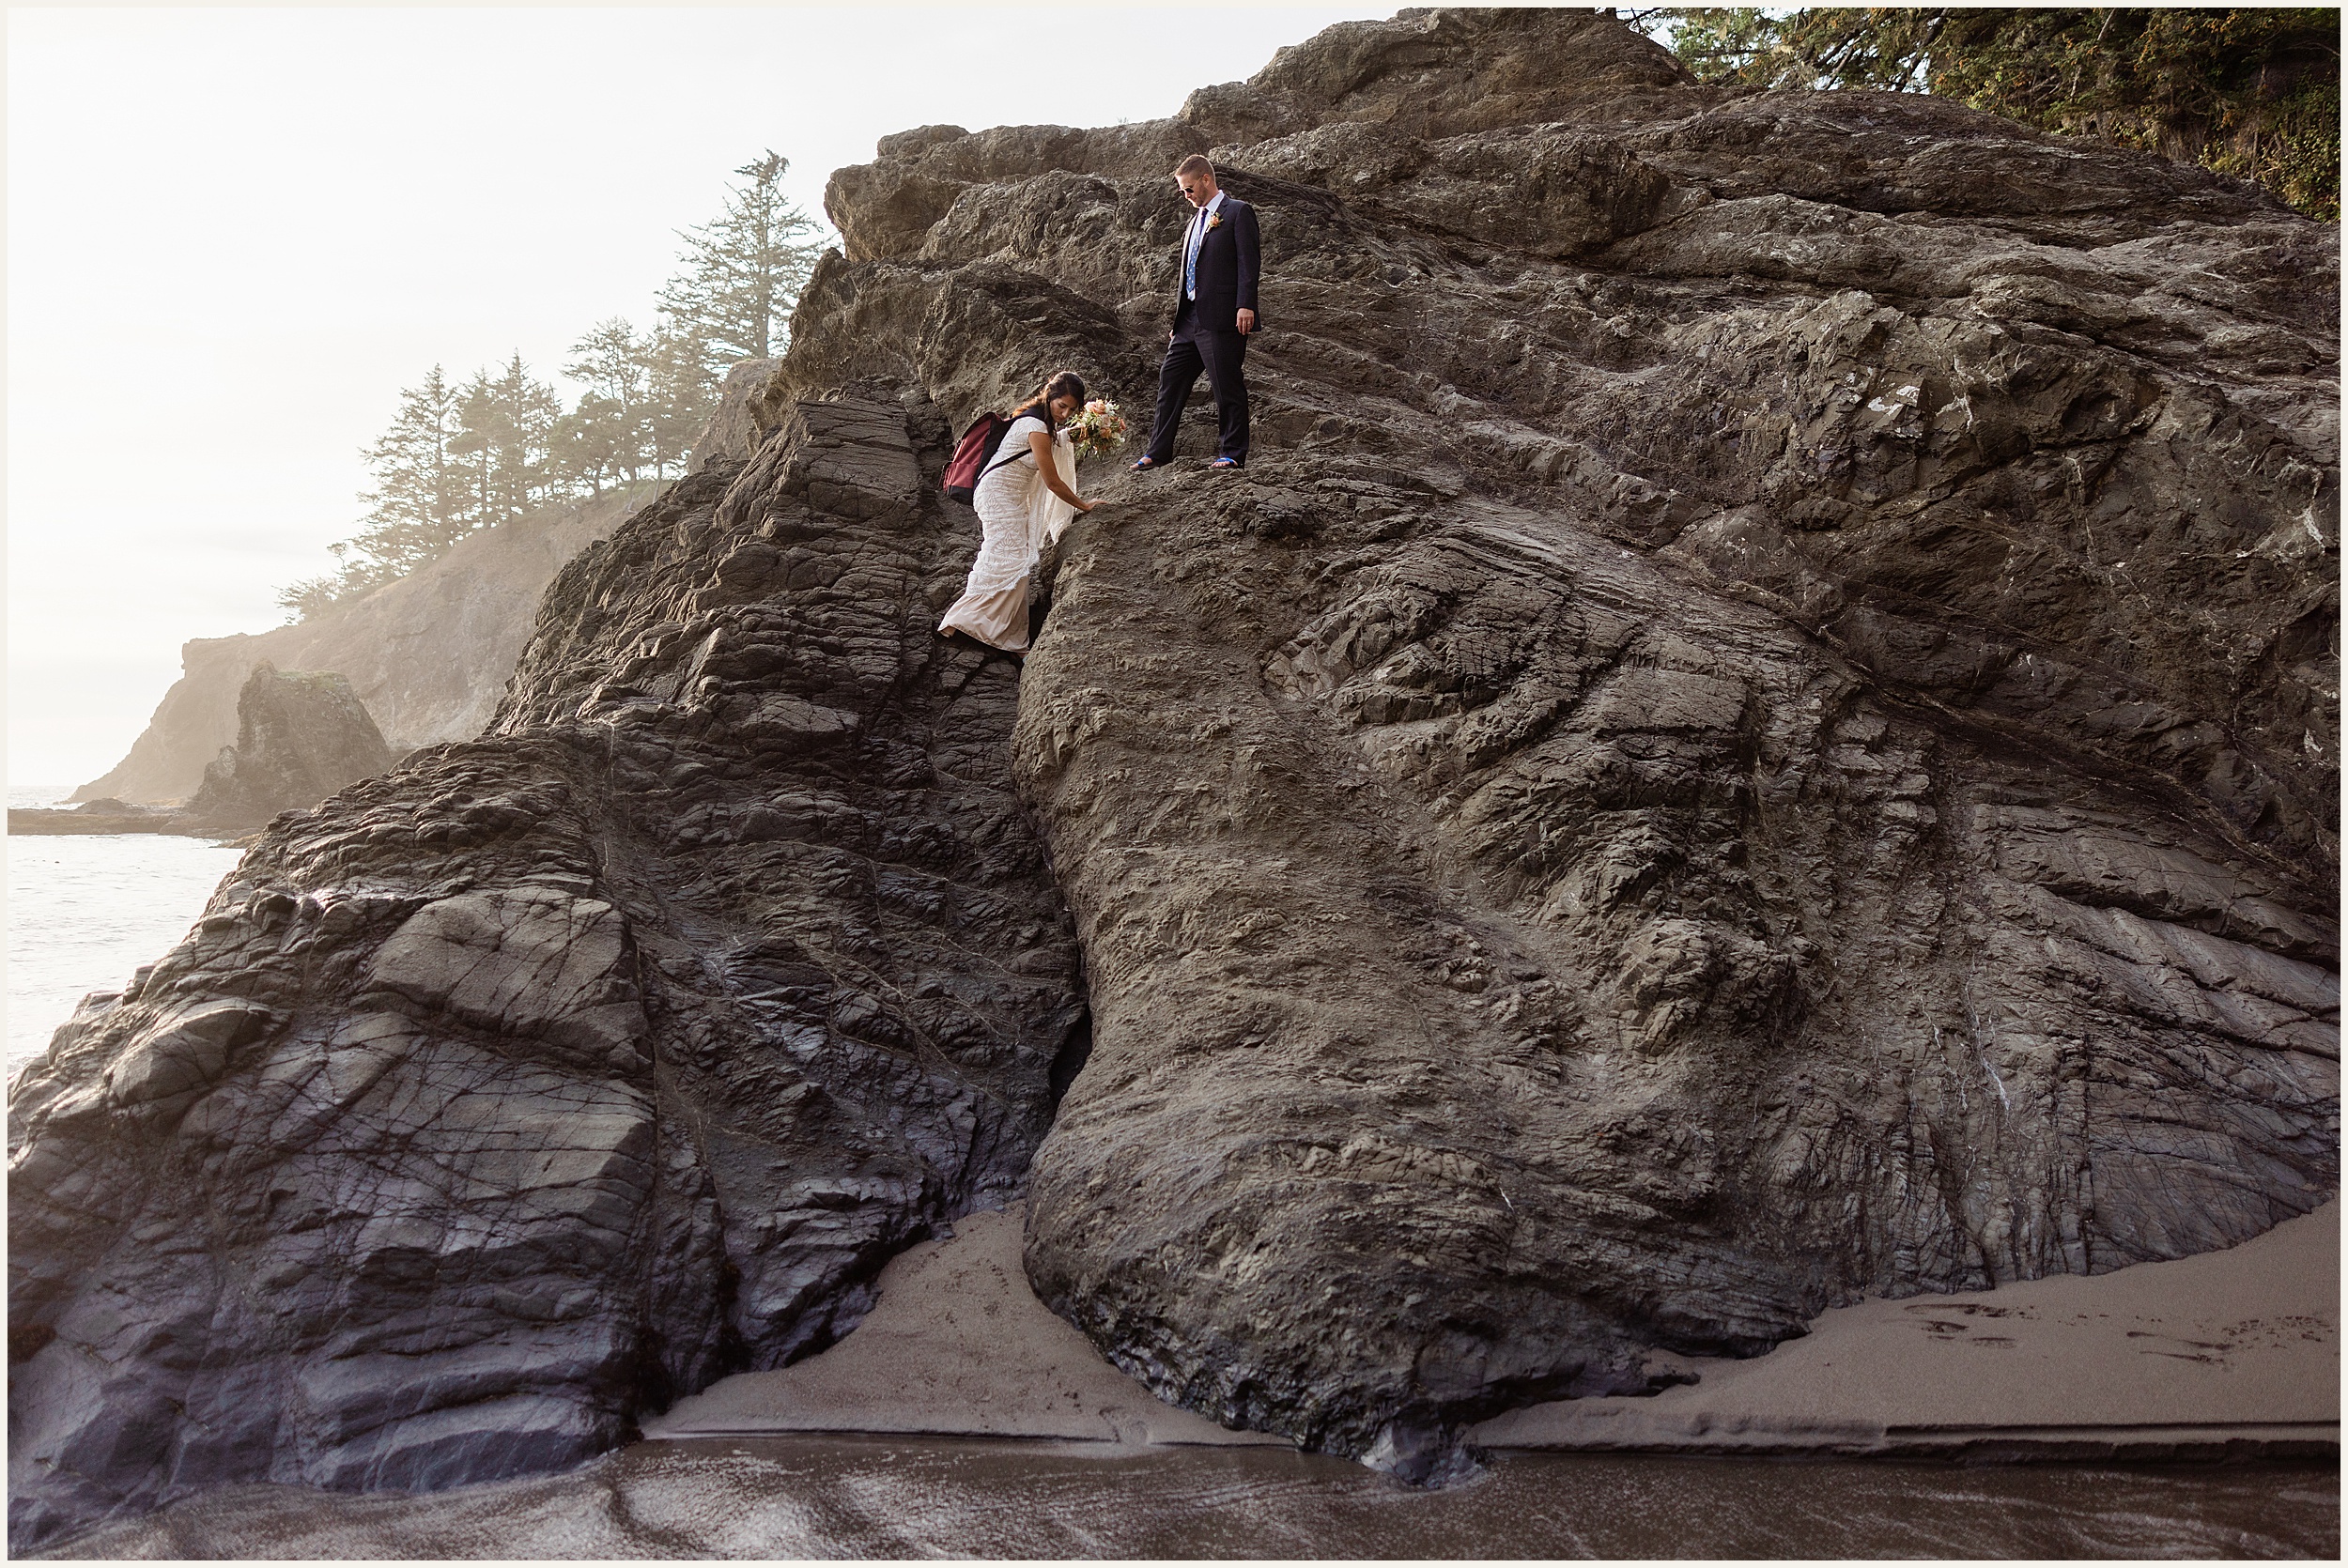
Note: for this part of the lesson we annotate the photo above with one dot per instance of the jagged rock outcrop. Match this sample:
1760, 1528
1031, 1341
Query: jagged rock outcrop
300, 736
742, 420
1760, 727
107, 817
428, 654
515, 1093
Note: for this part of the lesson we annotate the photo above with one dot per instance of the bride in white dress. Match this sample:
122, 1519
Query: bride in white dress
1026, 496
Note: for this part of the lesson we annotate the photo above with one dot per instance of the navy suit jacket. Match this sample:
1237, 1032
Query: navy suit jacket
1228, 260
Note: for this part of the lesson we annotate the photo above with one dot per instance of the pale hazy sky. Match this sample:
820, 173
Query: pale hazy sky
234, 235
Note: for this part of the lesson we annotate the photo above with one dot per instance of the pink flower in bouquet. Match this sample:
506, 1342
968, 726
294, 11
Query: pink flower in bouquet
1099, 429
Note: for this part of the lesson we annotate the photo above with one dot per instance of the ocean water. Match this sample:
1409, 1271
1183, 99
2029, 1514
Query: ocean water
84, 913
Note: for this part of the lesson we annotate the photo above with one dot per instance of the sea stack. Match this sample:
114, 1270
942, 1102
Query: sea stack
426, 654
1758, 729
300, 736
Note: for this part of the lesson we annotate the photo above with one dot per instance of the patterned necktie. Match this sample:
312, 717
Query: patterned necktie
1190, 261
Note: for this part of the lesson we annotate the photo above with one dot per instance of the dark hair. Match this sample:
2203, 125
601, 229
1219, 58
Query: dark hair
1060, 383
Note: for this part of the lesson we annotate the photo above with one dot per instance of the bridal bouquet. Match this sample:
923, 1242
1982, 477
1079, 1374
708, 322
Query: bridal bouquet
1100, 429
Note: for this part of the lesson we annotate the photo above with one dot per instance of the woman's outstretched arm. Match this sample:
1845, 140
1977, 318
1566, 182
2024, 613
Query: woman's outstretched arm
1046, 464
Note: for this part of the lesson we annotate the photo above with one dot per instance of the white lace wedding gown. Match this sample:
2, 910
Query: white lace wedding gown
1018, 514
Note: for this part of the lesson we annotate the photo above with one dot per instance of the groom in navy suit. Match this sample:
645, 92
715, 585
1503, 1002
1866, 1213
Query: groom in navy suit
1214, 311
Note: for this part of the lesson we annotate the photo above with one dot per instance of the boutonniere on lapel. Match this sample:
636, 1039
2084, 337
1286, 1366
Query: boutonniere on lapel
1214, 220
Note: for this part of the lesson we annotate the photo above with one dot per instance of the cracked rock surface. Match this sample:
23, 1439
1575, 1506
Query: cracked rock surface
1760, 727
506, 1098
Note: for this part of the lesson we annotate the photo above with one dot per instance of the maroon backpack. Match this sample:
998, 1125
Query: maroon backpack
971, 454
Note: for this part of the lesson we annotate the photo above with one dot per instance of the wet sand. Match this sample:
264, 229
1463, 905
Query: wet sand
957, 1345
814, 1496
2224, 1355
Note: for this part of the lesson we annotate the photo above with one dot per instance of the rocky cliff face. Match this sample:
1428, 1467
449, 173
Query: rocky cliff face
300, 736
428, 654
1760, 727
509, 1096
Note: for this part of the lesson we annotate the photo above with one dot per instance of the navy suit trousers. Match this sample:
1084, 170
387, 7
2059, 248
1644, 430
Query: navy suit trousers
1221, 355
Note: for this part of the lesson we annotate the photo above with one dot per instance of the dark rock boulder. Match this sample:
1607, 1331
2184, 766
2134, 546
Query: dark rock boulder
300, 736
1759, 728
516, 1092
742, 420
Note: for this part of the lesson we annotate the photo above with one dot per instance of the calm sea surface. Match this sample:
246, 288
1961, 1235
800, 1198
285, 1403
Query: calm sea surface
879, 1497
85, 913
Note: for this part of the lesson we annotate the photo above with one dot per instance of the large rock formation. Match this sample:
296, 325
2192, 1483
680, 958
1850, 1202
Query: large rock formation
554, 1075
300, 736
428, 654
1759, 728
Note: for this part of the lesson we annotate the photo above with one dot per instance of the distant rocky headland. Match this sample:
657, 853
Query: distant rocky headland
426, 655
300, 736
1759, 730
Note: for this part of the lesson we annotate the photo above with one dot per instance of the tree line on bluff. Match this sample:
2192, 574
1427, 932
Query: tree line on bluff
2252, 93
461, 456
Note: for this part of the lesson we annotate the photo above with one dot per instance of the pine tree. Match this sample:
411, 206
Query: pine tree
480, 432
313, 595
505, 426
591, 443
416, 506
681, 393
743, 271
615, 366
527, 413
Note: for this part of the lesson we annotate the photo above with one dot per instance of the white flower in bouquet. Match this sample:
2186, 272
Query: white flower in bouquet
1099, 429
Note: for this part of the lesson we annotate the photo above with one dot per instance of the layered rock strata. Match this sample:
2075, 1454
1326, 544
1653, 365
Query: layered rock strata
1760, 727
511, 1095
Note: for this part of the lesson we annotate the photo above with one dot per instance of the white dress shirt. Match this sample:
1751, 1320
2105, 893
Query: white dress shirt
1197, 238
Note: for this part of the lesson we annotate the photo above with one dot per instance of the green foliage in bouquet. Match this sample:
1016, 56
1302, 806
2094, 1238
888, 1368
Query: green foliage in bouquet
1099, 429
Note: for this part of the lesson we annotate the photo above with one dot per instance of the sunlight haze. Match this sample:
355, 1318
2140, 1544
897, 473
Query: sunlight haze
234, 235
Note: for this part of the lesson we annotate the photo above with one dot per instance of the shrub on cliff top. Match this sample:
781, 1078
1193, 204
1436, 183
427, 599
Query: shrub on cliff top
2251, 92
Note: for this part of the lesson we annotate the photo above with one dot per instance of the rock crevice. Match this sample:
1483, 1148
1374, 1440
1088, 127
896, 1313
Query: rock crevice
501, 1099
1760, 729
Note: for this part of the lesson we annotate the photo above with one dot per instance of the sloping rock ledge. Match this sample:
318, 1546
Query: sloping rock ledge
1760, 730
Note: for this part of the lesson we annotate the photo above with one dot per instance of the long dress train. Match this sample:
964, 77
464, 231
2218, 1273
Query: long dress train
1018, 514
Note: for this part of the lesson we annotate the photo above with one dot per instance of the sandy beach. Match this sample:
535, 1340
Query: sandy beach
2232, 1354
958, 1347
963, 1418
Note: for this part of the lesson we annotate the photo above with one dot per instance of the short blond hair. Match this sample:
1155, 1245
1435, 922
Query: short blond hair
1195, 164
